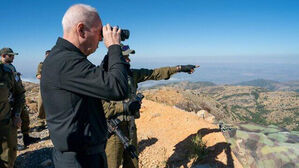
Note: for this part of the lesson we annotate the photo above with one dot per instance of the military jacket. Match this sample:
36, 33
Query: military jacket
39, 69
11, 68
114, 109
9, 88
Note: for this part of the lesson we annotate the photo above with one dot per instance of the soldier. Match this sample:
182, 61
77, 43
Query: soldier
41, 112
126, 111
7, 60
9, 112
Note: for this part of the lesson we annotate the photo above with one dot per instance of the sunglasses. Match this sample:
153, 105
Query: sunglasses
125, 47
9, 55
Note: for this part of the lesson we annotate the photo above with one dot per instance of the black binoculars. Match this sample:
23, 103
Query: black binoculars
124, 34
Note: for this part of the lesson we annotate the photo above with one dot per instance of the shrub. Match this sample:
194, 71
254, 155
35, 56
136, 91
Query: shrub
198, 148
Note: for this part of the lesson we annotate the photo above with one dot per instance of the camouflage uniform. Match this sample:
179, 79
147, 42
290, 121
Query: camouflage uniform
41, 111
9, 89
24, 112
114, 149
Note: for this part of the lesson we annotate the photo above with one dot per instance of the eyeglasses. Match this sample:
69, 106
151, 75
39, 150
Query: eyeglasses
125, 48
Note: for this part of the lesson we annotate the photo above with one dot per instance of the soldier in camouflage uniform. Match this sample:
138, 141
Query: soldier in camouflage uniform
41, 112
9, 112
7, 61
126, 111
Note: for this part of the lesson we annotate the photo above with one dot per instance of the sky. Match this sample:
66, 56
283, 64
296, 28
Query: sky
163, 32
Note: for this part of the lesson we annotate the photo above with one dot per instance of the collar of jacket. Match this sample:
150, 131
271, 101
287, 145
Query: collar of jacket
61, 42
8, 67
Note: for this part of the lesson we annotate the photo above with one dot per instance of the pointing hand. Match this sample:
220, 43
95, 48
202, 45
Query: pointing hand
187, 68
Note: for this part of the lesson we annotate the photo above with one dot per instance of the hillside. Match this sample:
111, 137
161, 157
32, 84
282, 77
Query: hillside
172, 137
165, 137
254, 145
264, 146
234, 104
169, 132
272, 85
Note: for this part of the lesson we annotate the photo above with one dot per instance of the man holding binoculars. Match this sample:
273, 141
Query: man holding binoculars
72, 88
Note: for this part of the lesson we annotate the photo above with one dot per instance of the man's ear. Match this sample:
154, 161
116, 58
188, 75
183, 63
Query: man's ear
81, 30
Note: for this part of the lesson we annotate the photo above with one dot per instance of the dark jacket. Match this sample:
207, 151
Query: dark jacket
72, 88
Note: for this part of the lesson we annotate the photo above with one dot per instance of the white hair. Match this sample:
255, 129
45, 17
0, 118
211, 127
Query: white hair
78, 13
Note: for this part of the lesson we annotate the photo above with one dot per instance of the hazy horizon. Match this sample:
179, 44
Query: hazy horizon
219, 73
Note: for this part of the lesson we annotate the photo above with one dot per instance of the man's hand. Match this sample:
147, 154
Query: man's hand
132, 106
111, 37
17, 122
187, 68
38, 76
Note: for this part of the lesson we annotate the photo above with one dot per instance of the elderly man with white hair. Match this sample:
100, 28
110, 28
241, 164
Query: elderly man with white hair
72, 88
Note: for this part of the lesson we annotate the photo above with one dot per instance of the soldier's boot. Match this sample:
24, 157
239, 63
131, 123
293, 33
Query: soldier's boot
29, 140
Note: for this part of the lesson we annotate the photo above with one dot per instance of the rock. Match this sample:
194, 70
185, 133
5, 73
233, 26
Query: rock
202, 113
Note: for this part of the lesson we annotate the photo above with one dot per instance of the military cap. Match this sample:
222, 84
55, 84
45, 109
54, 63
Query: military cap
7, 51
126, 50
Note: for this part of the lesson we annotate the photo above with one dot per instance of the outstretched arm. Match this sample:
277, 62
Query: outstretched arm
141, 75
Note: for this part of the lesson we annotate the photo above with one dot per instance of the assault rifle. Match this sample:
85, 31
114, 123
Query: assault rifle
113, 128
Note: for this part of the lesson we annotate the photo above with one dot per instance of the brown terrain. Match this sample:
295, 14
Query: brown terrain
166, 137
233, 104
